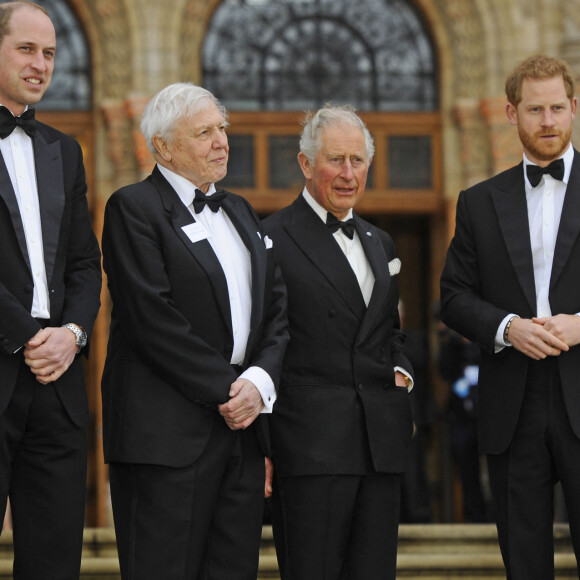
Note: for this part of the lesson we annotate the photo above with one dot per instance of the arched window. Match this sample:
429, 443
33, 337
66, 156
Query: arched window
269, 60
70, 89
295, 54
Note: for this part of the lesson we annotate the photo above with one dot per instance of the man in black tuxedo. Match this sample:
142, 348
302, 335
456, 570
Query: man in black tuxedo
510, 285
342, 422
197, 336
50, 281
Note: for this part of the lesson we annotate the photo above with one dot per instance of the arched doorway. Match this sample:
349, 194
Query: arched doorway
268, 61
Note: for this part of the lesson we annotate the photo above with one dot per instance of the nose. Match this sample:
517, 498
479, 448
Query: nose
38, 61
220, 139
548, 118
346, 170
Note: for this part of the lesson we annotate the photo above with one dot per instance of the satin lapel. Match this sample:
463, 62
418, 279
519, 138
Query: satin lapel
512, 212
201, 251
248, 231
569, 228
51, 196
9, 197
379, 263
319, 246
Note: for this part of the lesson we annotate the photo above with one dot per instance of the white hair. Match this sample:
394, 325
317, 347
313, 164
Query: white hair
331, 116
171, 104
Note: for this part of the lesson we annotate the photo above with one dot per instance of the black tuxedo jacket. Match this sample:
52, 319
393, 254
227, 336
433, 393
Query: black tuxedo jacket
489, 274
338, 409
170, 345
72, 260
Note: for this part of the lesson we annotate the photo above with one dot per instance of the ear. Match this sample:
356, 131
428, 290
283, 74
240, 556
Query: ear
512, 114
305, 165
161, 147
574, 105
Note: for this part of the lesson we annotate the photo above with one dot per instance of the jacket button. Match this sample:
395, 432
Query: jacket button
360, 387
331, 313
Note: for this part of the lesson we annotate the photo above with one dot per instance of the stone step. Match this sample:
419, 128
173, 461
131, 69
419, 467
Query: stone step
426, 552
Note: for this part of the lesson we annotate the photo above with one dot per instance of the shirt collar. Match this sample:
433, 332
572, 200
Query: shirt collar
183, 187
318, 209
568, 158
25, 109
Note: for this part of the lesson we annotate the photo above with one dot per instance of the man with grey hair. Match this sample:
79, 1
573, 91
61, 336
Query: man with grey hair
342, 422
198, 331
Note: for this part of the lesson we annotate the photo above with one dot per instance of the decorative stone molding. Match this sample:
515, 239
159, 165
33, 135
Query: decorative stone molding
464, 27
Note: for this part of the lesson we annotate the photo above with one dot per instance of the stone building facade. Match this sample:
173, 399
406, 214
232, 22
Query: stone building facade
139, 46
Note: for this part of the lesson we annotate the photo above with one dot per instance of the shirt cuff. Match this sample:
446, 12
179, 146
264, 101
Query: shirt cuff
411, 381
500, 344
262, 381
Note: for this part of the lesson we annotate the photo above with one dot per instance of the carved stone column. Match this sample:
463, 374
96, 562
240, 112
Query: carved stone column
506, 149
145, 162
119, 142
474, 147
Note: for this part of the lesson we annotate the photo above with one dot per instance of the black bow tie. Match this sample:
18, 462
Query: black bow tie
8, 122
214, 201
334, 224
555, 169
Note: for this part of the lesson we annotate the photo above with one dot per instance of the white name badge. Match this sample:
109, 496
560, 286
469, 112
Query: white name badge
195, 232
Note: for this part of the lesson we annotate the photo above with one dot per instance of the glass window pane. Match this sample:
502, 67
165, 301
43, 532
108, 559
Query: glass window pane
240, 163
299, 54
410, 162
70, 88
285, 172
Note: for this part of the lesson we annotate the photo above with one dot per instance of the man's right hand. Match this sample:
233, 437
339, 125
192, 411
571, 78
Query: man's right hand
50, 352
534, 340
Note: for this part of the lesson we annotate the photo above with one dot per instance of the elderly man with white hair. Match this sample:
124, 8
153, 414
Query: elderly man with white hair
198, 331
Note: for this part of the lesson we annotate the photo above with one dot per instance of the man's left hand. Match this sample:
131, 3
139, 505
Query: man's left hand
50, 352
566, 327
244, 405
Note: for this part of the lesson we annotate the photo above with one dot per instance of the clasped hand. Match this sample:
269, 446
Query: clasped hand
244, 406
49, 353
542, 337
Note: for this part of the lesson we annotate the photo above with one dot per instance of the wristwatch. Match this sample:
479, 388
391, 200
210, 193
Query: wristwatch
80, 334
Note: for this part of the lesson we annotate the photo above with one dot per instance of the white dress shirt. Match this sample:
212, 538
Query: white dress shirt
234, 259
18, 155
545, 203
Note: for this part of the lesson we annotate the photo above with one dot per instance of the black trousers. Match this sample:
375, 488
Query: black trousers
543, 450
337, 527
43, 469
200, 522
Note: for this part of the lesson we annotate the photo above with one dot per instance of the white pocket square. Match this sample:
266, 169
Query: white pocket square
394, 266
268, 242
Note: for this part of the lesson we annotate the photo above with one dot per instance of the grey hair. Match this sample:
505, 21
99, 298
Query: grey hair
171, 104
331, 116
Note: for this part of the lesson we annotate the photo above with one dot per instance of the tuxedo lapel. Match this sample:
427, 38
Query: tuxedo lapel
9, 197
247, 230
201, 251
379, 263
312, 236
569, 228
512, 213
51, 197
